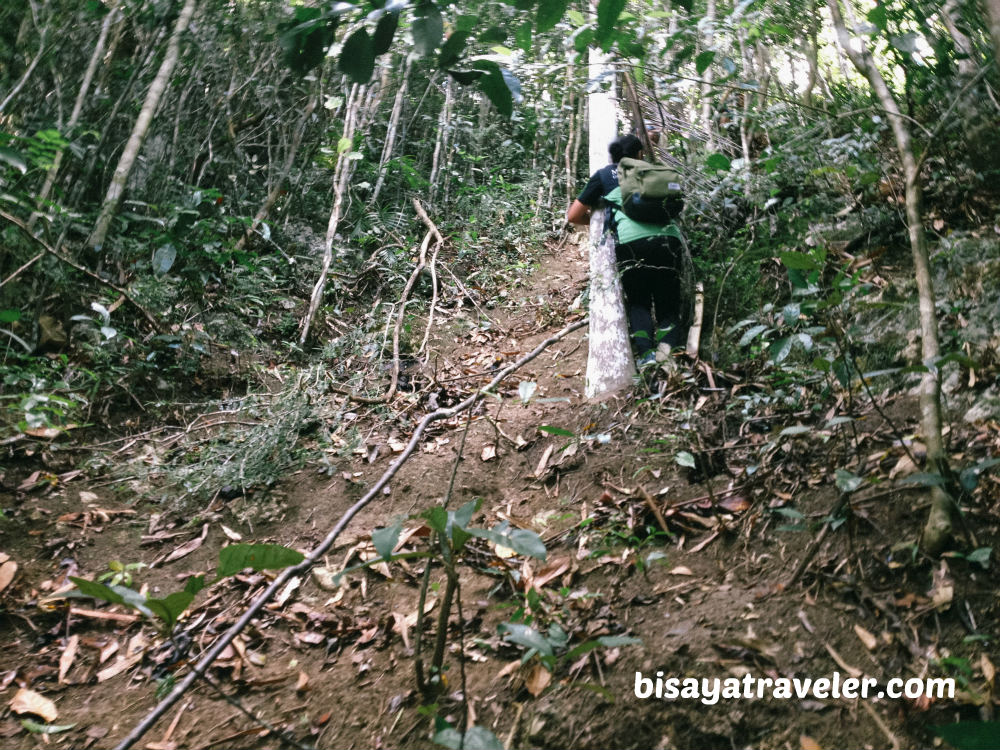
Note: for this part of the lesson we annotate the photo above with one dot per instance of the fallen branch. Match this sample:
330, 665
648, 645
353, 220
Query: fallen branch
317, 553
85, 271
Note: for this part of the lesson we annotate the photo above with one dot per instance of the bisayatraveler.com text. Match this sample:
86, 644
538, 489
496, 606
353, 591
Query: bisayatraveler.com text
711, 690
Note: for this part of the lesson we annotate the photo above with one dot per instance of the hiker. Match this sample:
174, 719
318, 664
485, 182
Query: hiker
648, 259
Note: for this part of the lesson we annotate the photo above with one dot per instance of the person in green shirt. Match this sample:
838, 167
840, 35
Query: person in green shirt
649, 260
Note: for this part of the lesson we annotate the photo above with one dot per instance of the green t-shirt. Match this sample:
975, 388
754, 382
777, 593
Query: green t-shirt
629, 230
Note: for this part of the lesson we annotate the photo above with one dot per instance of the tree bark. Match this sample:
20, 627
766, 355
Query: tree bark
390, 136
74, 117
708, 22
341, 176
993, 19
609, 362
117, 187
938, 529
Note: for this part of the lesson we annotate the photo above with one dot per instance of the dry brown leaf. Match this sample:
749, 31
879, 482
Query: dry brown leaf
903, 468
867, 638
134, 652
188, 547
989, 671
943, 589
233, 536
543, 461
538, 679
87, 497
552, 570
489, 452
509, 669
302, 683
67, 657
682, 570
808, 743
29, 702
7, 572
45, 433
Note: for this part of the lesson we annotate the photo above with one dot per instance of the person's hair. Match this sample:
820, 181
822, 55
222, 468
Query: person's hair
624, 146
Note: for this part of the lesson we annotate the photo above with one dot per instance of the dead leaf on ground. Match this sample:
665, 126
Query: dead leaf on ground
989, 671
7, 572
538, 679
67, 657
29, 702
302, 683
943, 589
808, 743
867, 638
682, 570
185, 549
87, 497
233, 536
552, 570
489, 452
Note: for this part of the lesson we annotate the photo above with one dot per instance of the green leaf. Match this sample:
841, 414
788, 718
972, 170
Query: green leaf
498, 85
702, 61
981, 556
684, 458
163, 259
476, 738
582, 40
35, 728
798, 429
790, 313
718, 162
385, 539
798, 261
10, 316
195, 584
357, 58
523, 37
607, 20
522, 541
789, 513
452, 49
437, 519
385, 30
970, 735
751, 334
549, 429
236, 557
576, 17
14, 159
780, 349
926, 480
549, 14
614, 641
672, 230
493, 35
170, 607
847, 481
465, 77
463, 516
526, 636
427, 29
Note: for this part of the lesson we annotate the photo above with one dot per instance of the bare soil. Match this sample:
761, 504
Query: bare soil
704, 581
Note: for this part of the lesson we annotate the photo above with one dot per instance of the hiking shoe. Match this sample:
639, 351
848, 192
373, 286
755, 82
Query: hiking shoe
646, 360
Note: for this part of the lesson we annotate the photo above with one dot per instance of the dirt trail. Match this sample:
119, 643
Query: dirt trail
705, 595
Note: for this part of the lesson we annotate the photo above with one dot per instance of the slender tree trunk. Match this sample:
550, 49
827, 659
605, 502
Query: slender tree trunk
812, 54
441, 142
993, 18
390, 136
341, 177
43, 33
938, 529
74, 117
609, 362
117, 187
708, 23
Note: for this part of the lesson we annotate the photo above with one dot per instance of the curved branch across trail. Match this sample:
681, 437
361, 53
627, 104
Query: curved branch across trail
313, 557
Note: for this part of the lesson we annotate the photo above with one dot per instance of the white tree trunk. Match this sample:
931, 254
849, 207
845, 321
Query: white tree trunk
609, 361
993, 19
117, 187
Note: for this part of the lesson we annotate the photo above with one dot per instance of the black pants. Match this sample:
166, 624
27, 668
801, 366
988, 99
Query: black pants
651, 279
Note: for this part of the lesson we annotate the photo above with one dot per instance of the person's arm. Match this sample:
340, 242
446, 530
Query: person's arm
579, 213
